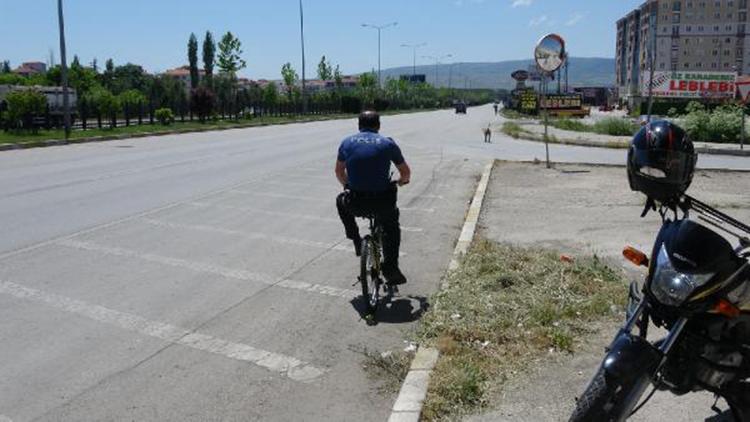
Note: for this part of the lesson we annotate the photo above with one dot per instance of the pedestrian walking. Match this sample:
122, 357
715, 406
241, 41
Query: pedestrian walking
488, 134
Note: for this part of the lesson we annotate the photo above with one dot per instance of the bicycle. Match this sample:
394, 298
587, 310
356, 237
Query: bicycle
370, 275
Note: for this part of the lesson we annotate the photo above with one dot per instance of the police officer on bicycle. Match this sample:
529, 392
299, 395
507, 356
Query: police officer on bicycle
363, 169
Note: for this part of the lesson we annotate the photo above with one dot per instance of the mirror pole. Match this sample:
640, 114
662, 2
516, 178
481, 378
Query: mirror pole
546, 116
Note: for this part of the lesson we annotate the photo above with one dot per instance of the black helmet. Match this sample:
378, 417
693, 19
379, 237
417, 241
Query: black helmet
661, 161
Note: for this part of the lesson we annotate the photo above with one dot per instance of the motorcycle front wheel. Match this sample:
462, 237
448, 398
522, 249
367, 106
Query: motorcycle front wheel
602, 401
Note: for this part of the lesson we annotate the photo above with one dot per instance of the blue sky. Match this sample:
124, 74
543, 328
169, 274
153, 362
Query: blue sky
154, 33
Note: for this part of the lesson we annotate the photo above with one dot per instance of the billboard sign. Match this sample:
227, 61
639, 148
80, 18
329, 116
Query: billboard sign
690, 84
520, 75
562, 102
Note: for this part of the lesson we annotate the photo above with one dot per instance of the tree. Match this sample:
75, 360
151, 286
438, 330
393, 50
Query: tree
95, 66
338, 79
129, 76
270, 94
102, 101
5, 68
108, 76
193, 60
368, 83
132, 99
209, 53
325, 71
76, 62
202, 100
230, 52
290, 78
23, 105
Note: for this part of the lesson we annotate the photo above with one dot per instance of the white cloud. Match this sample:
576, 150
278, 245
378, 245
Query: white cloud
517, 3
538, 20
575, 18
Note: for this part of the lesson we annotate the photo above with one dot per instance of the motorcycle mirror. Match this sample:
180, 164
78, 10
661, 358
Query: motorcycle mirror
635, 256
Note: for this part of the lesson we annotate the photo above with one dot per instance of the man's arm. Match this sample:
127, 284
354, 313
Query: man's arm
341, 173
405, 174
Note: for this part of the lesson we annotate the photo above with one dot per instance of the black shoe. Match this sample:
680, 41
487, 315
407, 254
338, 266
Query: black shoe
357, 246
393, 276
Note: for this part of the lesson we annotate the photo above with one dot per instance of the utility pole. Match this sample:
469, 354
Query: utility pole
414, 48
64, 70
302, 39
651, 53
379, 28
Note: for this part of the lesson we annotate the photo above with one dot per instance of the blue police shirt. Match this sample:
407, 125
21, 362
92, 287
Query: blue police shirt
368, 157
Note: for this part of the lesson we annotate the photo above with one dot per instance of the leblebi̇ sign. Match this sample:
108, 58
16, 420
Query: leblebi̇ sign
691, 84
550, 53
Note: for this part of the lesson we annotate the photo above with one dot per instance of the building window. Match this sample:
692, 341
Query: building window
728, 28
700, 28
688, 28
742, 16
713, 66
676, 6
699, 65
687, 66
662, 65
716, 28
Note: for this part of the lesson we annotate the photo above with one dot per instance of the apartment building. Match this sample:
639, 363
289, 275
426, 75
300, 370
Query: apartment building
687, 36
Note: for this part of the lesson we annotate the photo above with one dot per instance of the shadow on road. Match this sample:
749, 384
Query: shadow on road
397, 310
725, 416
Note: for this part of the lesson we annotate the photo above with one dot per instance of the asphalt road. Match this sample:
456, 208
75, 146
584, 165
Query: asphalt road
206, 277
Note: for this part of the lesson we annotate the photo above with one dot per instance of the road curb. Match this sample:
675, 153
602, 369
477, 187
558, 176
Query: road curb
408, 405
534, 137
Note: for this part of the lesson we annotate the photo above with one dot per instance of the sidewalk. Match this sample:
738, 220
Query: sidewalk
608, 141
583, 210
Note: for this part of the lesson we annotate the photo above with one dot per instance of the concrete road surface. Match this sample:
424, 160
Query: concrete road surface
206, 277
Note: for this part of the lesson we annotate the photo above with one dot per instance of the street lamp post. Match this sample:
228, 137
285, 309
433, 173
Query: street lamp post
379, 28
437, 63
414, 48
63, 70
302, 39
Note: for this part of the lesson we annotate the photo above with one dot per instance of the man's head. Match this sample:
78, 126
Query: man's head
369, 120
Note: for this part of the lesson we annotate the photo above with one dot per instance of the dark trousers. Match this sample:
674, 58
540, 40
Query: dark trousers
380, 204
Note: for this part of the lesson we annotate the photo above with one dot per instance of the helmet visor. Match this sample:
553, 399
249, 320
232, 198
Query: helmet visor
663, 165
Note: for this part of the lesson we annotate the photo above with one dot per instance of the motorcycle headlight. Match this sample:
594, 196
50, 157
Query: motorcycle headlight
670, 286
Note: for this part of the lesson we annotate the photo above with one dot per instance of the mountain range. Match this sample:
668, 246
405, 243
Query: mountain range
582, 71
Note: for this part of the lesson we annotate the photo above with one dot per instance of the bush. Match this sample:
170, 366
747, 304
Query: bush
164, 116
568, 124
722, 125
23, 106
615, 126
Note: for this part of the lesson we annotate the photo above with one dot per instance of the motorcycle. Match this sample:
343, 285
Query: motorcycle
698, 290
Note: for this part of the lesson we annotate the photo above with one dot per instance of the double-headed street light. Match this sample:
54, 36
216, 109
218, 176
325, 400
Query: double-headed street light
379, 28
437, 63
414, 48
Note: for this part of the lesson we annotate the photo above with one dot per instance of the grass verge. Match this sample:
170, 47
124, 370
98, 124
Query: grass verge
29, 140
514, 130
609, 126
156, 129
503, 309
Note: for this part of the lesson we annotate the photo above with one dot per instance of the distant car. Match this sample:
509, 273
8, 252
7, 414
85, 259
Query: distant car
460, 107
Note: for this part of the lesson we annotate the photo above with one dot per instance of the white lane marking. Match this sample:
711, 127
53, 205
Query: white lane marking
284, 214
287, 365
233, 273
253, 235
249, 235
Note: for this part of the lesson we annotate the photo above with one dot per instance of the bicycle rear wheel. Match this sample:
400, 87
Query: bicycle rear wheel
365, 279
